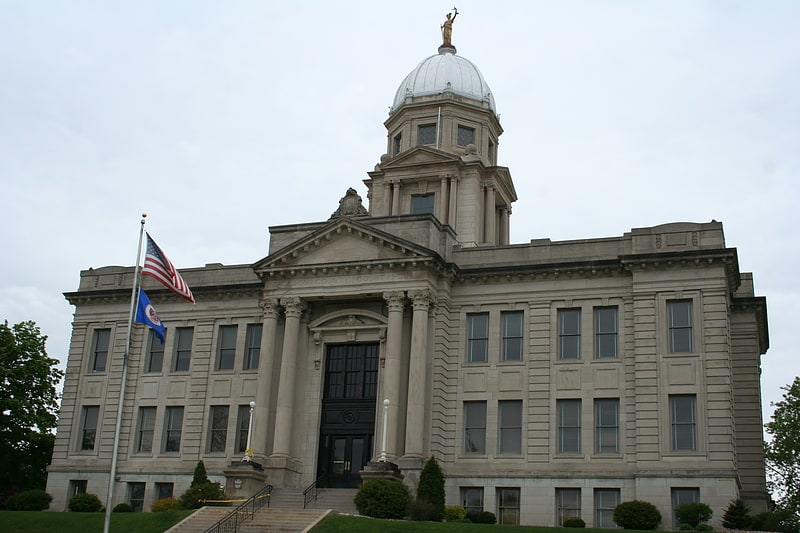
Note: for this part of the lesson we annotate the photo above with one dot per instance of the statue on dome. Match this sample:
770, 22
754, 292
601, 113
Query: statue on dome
447, 28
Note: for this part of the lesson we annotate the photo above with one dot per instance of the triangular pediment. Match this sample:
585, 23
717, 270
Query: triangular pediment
420, 155
346, 244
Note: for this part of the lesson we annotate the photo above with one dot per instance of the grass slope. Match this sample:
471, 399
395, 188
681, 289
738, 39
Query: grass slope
47, 522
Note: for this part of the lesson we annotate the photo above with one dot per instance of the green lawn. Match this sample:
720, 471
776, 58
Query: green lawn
47, 522
357, 524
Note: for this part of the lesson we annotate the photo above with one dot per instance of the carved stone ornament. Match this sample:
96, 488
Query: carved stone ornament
350, 206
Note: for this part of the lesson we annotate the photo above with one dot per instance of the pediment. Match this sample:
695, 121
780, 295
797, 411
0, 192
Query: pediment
345, 244
420, 155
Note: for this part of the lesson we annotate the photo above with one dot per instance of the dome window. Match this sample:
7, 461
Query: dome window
397, 143
466, 135
422, 203
426, 134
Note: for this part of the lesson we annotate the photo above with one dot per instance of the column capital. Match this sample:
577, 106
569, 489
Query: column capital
293, 307
396, 300
270, 308
422, 299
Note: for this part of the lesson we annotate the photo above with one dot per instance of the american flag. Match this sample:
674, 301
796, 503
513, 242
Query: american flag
158, 267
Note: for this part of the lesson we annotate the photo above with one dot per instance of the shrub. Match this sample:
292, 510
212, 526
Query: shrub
431, 489
200, 477
781, 520
737, 515
166, 504
454, 513
693, 513
704, 527
574, 521
30, 500
195, 496
85, 502
420, 511
383, 498
637, 514
122, 508
484, 517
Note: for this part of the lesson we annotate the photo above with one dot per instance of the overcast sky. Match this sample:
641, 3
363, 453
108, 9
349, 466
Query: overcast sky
220, 119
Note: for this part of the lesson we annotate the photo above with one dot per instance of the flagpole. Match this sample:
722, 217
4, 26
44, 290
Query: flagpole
115, 453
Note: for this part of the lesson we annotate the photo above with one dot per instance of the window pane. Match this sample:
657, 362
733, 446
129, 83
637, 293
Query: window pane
477, 337
426, 134
472, 499
569, 333
508, 506
605, 325
465, 136
605, 501
89, 434
680, 326
511, 324
243, 428
100, 349
155, 353
475, 427
422, 203
218, 432
510, 415
252, 346
683, 421
568, 504
173, 428
569, 426
183, 348
136, 496
227, 347
147, 424
607, 426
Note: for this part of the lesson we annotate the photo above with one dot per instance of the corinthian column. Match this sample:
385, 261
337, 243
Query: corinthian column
282, 445
490, 215
417, 391
269, 323
391, 372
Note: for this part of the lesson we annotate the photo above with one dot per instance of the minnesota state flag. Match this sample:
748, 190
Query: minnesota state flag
146, 314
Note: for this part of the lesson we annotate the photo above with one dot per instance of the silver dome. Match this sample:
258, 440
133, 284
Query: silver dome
443, 72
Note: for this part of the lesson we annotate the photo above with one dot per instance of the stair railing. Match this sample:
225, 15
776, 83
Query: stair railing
313, 490
245, 511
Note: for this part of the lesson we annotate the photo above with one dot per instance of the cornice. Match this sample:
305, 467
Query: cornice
757, 305
123, 295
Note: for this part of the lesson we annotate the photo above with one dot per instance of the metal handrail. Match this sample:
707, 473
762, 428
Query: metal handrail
313, 490
245, 511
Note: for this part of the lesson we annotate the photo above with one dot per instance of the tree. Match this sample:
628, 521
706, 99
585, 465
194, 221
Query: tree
782, 453
28, 406
431, 489
737, 515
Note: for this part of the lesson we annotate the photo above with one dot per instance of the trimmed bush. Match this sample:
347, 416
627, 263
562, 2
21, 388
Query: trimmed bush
454, 513
781, 520
574, 521
196, 496
383, 498
431, 489
30, 500
122, 508
166, 504
420, 511
737, 515
484, 517
704, 527
637, 514
200, 477
85, 502
693, 513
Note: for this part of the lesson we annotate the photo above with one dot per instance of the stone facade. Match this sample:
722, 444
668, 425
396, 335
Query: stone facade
550, 379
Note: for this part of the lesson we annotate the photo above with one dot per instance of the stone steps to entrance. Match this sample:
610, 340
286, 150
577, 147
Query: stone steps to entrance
266, 520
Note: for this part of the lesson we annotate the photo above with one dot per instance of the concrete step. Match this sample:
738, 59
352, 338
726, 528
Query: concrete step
340, 500
200, 520
286, 498
273, 520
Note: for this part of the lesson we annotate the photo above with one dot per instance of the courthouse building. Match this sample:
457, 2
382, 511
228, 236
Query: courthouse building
550, 379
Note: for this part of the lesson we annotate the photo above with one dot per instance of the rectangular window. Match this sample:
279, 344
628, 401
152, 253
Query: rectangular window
569, 333
475, 427
683, 420
173, 427
136, 496
183, 348
397, 143
472, 499
226, 347
217, 428
100, 349
147, 424
426, 134
569, 426
510, 422
681, 496
76, 486
422, 203
164, 490
568, 505
252, 348
477, 337
491, 152
508, 506
606, 425
680, 326
242, 428
605, 501
155, 353
89, 427
465, 136
605, 332
511, 325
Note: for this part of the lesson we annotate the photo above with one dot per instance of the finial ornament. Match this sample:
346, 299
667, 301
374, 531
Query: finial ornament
447, 27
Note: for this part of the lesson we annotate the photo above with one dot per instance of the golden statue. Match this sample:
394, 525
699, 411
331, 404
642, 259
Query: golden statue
447, 28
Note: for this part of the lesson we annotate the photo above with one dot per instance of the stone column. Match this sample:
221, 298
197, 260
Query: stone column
395, 198
391, 371
452, 211
489, 216
443, 200
504, 225
269, 323
282, 445
417, 390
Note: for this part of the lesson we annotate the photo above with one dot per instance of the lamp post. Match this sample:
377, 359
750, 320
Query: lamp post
248, 453
385, 423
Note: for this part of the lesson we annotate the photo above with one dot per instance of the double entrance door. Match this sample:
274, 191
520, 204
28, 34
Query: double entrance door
348, 413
